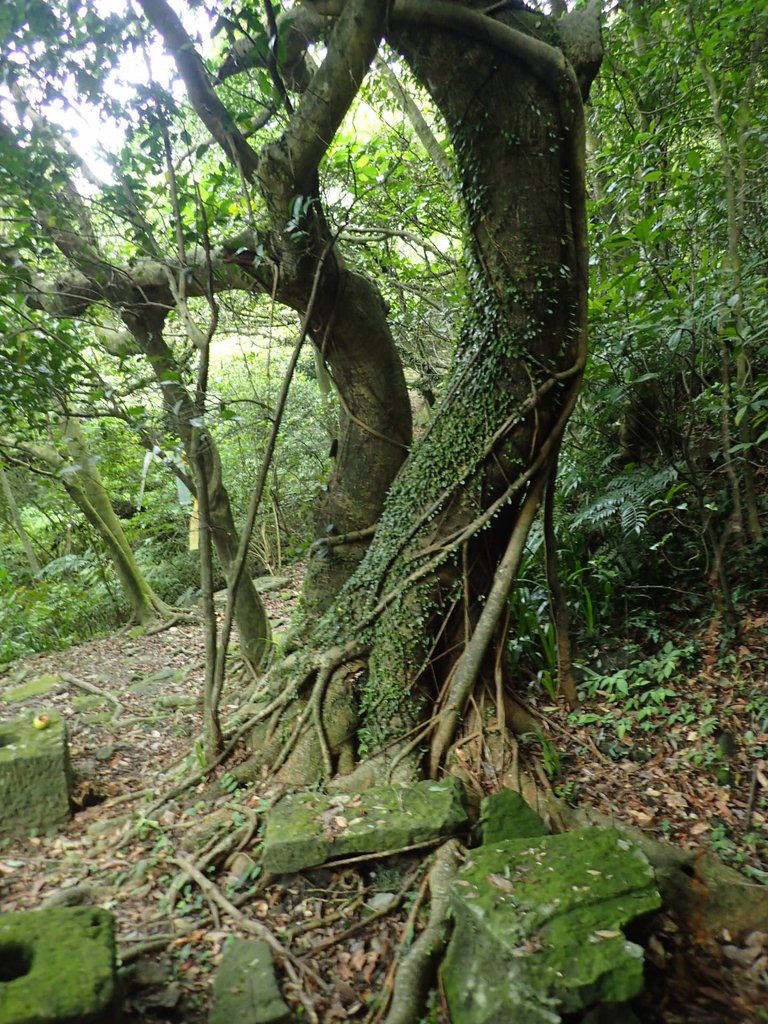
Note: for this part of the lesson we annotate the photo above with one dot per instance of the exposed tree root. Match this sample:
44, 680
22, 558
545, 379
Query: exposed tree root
416, 971
293, 965
362, 926
174, 620
83, 684
493, 609
216, 849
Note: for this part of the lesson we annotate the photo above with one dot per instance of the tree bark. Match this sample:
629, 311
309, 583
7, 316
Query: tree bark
513, 105
16, 522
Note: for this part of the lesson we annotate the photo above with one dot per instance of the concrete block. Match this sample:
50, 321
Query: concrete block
35, 776
245, 989
58, 967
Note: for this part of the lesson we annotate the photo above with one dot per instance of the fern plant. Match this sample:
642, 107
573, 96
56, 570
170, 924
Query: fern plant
632, 498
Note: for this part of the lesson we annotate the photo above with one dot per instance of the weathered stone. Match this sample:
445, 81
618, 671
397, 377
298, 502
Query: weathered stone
306, 829
35, 775
88, 702
176, 700
34, 688
265, 584
538, 927
98, 718
58, 967
505, 815
245, 989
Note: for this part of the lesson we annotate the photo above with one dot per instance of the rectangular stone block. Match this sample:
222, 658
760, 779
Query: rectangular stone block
34, 774
307, 829
58, 967
245, 989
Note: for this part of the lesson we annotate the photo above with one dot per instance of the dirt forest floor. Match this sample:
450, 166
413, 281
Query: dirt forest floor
131, 707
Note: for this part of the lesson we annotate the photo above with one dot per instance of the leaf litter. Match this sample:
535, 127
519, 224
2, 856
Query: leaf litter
131, 704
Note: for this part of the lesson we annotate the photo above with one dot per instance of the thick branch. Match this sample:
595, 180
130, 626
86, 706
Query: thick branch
211, 111
351, 49
418, 122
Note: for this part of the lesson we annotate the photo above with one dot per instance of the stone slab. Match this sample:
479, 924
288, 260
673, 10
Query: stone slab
245, 989
506, 815
58, 967
31, 689
539, 927
35, 775
307, 829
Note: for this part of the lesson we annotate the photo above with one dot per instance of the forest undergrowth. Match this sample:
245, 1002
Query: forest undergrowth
672, 739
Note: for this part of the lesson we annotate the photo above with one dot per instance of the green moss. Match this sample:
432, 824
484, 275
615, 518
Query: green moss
307, 829
88, 702
34, 688
64, 967
538, 926
34, 775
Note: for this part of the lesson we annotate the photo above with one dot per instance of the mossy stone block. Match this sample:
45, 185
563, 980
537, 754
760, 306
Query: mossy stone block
245, 988
307, 829
538, 927
34, 688
505, 815
58, 967
35, 775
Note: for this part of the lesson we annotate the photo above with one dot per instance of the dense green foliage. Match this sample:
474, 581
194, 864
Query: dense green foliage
663, 482
663, 472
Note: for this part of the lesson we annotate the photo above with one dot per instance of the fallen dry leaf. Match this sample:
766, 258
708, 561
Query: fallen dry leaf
500, 882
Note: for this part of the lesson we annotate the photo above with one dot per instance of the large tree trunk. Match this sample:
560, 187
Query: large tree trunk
411, 631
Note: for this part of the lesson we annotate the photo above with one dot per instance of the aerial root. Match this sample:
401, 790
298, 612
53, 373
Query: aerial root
323, 669
469, 665
175, 619
217, 848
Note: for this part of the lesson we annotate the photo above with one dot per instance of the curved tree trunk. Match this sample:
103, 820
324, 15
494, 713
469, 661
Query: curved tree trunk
82, 482
411, 631
412, 628
345, 311
355, 341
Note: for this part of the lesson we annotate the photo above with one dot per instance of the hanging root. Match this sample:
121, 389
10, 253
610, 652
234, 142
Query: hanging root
495, 604
416, 971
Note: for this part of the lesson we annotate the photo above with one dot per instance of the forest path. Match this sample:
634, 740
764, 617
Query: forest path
131, 703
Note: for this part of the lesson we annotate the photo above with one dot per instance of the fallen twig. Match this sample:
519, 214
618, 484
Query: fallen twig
293, 965
360, 926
